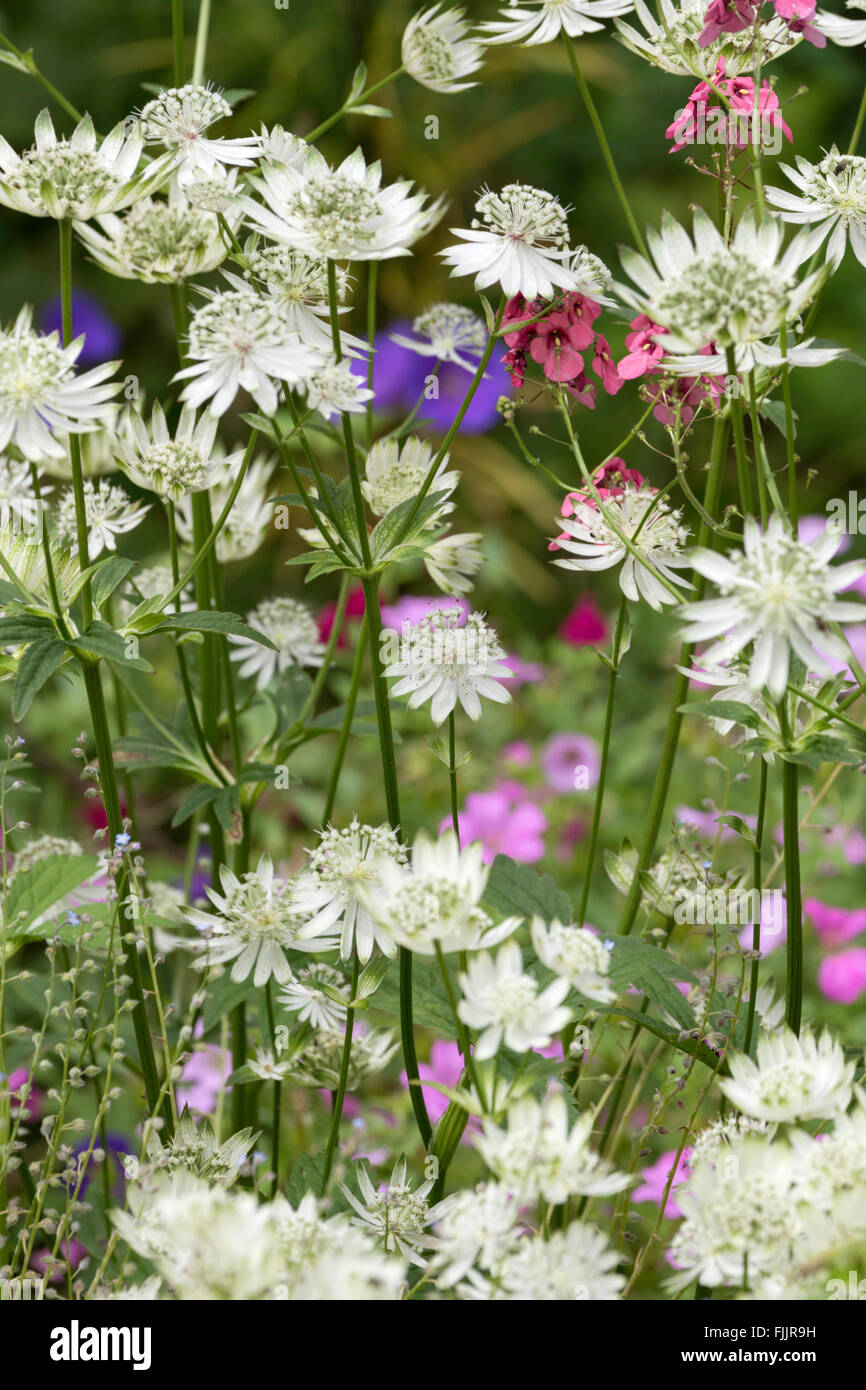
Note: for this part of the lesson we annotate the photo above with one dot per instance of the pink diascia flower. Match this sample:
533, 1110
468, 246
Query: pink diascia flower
643, 350
703, 111
726, 17
556, 341
798, 15
503, 824
564, 755
655, 1180
585, 625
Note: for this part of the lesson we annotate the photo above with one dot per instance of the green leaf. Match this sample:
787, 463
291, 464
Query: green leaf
384, 535
23, 627
724, 709
371, 977
208, 621
307, 1175
194, 802
431, 1006
692, 1046
147, 752
651, 970
514, 888
110, 572
38, 664
224, 995
49, 881
101, 640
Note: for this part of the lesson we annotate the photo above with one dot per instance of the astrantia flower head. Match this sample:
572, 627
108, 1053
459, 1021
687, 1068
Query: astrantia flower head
240, 340
335, 389
292, 629
832, 197
671, 39
448, 332
575, 953
215, 192
267, 1067
397, 1215
453, 561
444, 662
320, 1062
157, 241
779, 593
791, 1079
655, 530
506, 1003
77, 178
253, 926
436, 898
310, 995
40, 395
170, 466
249, 521
437, 52
520, 239
344, 213
704, 291
299, 283
542, 21
194, 1148
477, 1229
178, 119
395, 472
110, 512
538, 1156
574, 1264
17, 493
344, 868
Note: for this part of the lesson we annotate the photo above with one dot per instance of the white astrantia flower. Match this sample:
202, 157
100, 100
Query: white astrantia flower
519, 239
395, 471
448, 332
215, 192
478, 1229
537, 1156
397, 1216
172, 466
436, 898
157, 241
41, 398
299, 283
833, 196
574, 1264
716, 1140
207, 1242
575, 953
592, 275
848, 33
507, 1005
792, 1078
178, 119
780, 594
266, 1067
453, 561
445, 663
78, 178
671, 34
17, 493
343, 214
438, 52
194, 1148
250, 519
654, 529
253, 926
110, 512
542, 21
97, 450
292, 629
329, 1260
280, 146
732, 684
334, 389
320, 1062
345, 867
305, 996
704, 291
739, 1212
240, 340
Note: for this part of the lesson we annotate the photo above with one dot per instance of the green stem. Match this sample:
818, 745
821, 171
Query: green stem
605, 749
351, 701
278, 1092
597, 126
452, 775
794, 944
372, 286
757, 875
348, 436
743, 478
340, 1093
201, 34
858, 125
790, 456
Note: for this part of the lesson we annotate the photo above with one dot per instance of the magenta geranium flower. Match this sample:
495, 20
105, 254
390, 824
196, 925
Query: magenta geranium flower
564, 756
655, 1180
503, 825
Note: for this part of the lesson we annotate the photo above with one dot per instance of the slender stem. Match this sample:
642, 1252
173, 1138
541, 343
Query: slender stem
177, 41
201, 35
794, 944
348, 436
372, 287
597, 126
790, 456
858, 125
278, 1092
348, 107
340, 1093
605, 749
452, 775
740, 442
49, 87
757, 883
351, 701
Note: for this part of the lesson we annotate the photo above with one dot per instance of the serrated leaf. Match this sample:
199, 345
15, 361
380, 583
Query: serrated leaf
652, 971
209, 621
35, 891
109, 574
514, 888
37, 665
224, 995
101, 640
194, 802
724, 709
23, 627
431, 1007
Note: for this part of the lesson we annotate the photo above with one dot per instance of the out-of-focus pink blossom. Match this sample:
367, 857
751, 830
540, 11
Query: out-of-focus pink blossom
519, 753
842, 977
503, 825
564, 755
585, 625
835, 925
655, 1180
204, 1076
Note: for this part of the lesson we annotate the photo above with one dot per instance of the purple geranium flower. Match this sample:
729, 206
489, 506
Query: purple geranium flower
103, 339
